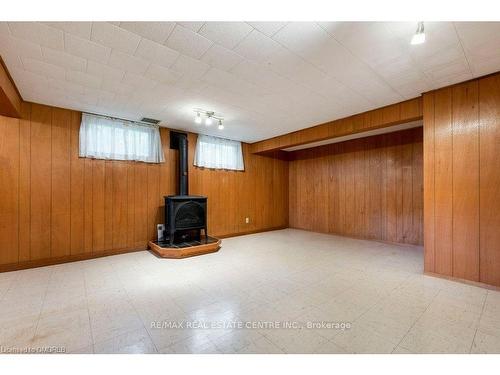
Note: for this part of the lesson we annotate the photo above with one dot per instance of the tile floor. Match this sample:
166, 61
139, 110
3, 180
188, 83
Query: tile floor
131, 303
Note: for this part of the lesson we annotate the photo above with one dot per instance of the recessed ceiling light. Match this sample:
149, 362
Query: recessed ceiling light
419, 36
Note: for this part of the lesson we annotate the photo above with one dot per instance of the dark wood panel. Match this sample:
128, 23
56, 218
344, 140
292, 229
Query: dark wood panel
461, 164
41, 182
60, 183
443, 182
429, 178
77, 166
370, 185
9, 190
466, 181
25, 182
489, 159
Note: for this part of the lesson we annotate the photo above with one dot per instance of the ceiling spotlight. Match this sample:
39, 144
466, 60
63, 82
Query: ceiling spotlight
208, 121
419, 36
197, 119
220, 127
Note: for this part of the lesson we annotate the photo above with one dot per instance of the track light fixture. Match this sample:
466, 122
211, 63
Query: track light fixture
197, 119
209, 116
419, 36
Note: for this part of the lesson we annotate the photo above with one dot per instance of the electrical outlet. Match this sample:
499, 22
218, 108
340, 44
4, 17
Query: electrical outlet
247, 220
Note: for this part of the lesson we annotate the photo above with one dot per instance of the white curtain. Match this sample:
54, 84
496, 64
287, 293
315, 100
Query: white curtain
218, 153
105, 138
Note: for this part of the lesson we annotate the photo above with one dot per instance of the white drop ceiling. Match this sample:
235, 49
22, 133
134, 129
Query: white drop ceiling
266, 78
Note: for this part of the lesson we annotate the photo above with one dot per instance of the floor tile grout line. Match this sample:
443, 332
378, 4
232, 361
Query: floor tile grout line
42, 305
142, 321
479, 321
88, 312
416, 321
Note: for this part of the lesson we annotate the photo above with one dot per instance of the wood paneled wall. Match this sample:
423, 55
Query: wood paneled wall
55, 206
10, 100
368, 188
462, 180
394, 114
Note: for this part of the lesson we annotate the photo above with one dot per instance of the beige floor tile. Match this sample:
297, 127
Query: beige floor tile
135, 342
377, 288
70, 330
485, 343
17, 331
295, 341
192, 345
261, 345
362, 339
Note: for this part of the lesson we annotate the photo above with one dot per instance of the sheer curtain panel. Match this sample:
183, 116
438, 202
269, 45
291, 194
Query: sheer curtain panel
106, 138
218, 153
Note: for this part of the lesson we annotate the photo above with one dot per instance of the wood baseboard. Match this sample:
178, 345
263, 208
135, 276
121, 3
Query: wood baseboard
84, 256
66, 259
463, 281
251, 232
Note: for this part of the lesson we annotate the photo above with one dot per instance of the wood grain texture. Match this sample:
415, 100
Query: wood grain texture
466, 181
443, 182
10, 100
56, 206
461, 169
362, 188
489, 177
429, 178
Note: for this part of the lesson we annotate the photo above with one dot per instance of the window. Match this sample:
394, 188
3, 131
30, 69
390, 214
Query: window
218, 153
106, 138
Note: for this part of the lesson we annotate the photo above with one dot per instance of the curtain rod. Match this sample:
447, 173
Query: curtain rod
122, 119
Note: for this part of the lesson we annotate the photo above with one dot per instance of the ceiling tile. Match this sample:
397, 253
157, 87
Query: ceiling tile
221, 58
83, 79
139, 81
155, 31
16, 46
127, 62
191, 67
268, 28
115, 37
80, 29
162, 74
258, 47
86, 49
156, 53
38, 33
226, 34
43, 68
64, 59
188, 42
105, 72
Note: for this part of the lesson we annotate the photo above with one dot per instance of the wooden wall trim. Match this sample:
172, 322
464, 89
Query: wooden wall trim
395, 114
10, 99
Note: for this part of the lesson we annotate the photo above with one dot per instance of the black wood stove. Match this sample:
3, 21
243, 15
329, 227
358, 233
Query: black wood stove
185, 215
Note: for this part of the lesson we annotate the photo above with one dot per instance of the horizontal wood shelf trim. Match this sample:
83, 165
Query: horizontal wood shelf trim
395, 114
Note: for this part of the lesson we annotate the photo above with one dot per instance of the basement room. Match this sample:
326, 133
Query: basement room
217, 185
